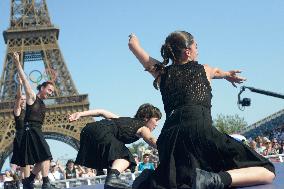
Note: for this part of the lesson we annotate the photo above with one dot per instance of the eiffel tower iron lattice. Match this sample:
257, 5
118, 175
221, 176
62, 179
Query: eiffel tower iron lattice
33, 36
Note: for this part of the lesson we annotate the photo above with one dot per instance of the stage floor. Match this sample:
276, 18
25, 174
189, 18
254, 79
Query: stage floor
277, 184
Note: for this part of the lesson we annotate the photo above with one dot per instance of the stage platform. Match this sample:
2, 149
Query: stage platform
277, 184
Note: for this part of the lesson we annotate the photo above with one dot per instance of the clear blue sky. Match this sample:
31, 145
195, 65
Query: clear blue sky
246, 35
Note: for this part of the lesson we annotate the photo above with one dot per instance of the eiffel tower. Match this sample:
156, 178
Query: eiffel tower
33, 36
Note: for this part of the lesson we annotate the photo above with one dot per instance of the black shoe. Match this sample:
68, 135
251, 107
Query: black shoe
47, 185
113, 181
27, 184
207, 180
142, 178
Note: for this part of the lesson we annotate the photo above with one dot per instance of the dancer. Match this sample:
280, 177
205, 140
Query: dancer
193, 153
102, 143
34, 148
19, 115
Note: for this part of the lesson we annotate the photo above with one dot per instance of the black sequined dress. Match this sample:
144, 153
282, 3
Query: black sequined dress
104, 141
33, 147
188, 140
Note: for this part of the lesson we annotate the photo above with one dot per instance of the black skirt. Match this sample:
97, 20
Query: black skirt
189, 141
16, 156
30, 147
99, 146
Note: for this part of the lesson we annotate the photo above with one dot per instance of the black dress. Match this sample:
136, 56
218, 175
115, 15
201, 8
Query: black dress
19, 126
104, 141
33, 147
188, 140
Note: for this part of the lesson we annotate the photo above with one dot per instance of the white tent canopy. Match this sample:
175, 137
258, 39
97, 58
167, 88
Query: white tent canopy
238, 137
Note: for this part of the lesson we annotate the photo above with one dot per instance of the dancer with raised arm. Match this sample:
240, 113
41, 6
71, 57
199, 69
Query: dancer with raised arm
102, 143
193, 153
19, 115
34, 148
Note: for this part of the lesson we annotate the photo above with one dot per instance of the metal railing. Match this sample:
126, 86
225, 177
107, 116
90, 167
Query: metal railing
277, 157
130, 177
68, 183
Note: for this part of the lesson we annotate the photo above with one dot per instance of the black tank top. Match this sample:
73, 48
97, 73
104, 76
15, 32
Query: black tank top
36, 111
19, 120
127, 128
70, 173
185, 84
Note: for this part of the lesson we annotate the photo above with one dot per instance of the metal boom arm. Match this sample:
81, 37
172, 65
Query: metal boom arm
268, 93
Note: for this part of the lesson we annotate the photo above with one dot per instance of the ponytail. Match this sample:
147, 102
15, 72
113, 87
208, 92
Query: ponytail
38, 87
173, 48
167, 54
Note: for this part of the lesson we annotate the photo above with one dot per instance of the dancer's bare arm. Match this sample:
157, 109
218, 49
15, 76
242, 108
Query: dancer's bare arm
147, 61
231, 76
147, 136
30, 94
17, 107
96, 113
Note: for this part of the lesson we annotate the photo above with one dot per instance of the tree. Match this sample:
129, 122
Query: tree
229, 123
134, 148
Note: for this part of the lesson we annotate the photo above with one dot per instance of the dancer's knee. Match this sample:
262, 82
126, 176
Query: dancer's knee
268, 176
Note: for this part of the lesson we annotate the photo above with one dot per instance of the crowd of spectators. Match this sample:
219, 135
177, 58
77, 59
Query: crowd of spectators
267, 147
58, 171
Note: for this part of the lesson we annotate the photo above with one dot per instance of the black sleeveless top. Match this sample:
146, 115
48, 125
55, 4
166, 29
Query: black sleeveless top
127, 128
70, 173
185, 84
36, 111
19, 120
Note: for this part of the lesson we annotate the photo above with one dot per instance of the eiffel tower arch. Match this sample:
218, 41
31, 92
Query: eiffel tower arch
35, 38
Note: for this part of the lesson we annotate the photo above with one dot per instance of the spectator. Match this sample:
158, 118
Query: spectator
252, 144
79, 170
260, 147
2, 177
275, 145
146, 164
281, 147
55, 172
70, 171
11, 180
268, 150
8, 175
137, 161
88, 172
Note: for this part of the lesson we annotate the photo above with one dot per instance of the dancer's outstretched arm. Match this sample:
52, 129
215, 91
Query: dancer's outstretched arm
17, 106
231, 76
147, 136
96, 113
147, 61
30, 94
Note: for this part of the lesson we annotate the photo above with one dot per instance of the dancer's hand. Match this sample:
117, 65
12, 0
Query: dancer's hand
234, 78
74, 117
133, 42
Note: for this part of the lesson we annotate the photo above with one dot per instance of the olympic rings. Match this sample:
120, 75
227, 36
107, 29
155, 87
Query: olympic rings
36, 76
35, 80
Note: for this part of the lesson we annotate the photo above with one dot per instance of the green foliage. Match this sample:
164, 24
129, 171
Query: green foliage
135, 146
229, 123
